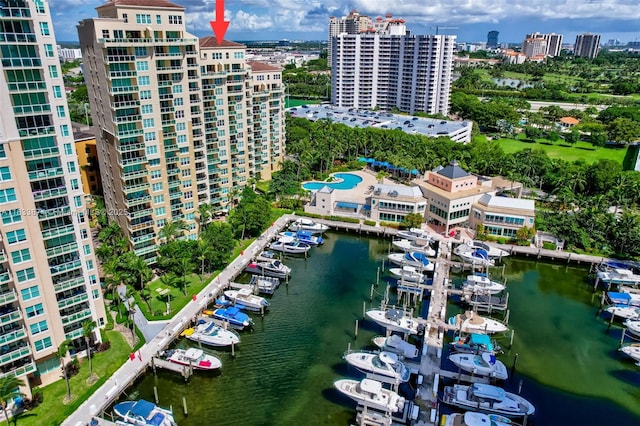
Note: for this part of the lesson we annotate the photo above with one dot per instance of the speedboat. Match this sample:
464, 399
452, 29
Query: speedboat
397, 345
417, 245
470, 322
492, 252
481, 284
484, 364
272, 268
409, 273
249, 300
633, 326
303, 224
370, 393
624, 311
394, 320
143, 413
289, 245
634, 294
413, 234
416, 259
266, 285
305, 236
381, 363
194, 358
632, 350
474, 343
233, 317
477, 257
471, 418
489, 399
211, 334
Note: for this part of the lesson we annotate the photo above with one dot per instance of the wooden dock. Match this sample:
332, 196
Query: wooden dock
184, 370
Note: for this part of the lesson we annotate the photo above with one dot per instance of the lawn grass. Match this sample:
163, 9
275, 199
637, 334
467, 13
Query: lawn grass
53, 411
297, 102
176, 296
580, 151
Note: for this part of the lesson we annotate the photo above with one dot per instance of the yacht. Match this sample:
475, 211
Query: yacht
305, 236
308, 225
489, 399
380, 363
416, 259
394, 320
370, 393
484, 364
421, 246
409, 273
290, 245
269, 268
267, 285
492, 251
249, 300
632, 350
143, 413
475, 343
471, 418
397, 345
477, 257
233, 317
194, 358
210, 334
633, 326
414, 234
470, 322
481, 284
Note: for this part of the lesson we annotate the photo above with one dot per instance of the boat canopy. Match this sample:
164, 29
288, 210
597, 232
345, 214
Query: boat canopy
417, 256
388, 357
485, 391
371, 386
480, 340
619, 298
231, 311
142, 408
481, 253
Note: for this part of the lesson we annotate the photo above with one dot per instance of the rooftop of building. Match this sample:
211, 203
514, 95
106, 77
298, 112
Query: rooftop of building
394, 191
476, 190
353, 117
452, 171
569, 120
142, 3
262, 67
507, 203
211, 41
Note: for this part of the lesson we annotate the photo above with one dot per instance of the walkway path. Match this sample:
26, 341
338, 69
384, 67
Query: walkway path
125, 375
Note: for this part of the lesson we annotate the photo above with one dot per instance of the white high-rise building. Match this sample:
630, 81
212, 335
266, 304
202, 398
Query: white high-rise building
554, 44
587, 45
411, 73
182, 121
49, 283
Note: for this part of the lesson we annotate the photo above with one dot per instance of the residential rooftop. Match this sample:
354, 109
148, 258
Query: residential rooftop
459, 131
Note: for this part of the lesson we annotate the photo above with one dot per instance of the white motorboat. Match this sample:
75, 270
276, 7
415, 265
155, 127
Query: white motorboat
370, 393
290, 245
477, 257
305, 236
474, 343
492, 251
484, 364
194, 358
471, 418
409, 273
397, 345
417, 245
267, 285
394, 320
481, 284
303, 224
382, 363
632, 350
270, 268
249, 300
210, 334
414, 234
634, 294
624, 311
633, 326
415, 259
470, 322
143, 413
488, 398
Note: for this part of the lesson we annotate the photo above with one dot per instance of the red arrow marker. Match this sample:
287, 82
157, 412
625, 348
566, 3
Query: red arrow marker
219, 26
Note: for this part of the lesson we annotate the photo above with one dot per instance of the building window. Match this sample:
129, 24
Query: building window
90, 265
60, 111
154, 162
156, 187
158, 19
144, 80
71, 167
34, 311
43, 344
16, 236
30, 293
5, 174
20, 256
84, 234
177, 88
175, 19
26, 274
39, 6
48, 50
7, 195
53, 71
39, 327
3, 153
44, 29
77, 200
93, 279
74, 184
158, 199
125, 17
57, 92
142, 66
148, 123
156, 174
149, 136
64, 129
67, 149
96, 293
161, 211
152, 149
147, 109
11, 216
143, 18
145, 94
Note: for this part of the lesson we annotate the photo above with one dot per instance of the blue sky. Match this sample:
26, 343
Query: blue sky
308, 19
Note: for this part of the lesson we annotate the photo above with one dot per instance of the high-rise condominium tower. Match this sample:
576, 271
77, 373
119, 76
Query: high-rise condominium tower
181, 121
411, 73
492, 39
49, 282
587, 45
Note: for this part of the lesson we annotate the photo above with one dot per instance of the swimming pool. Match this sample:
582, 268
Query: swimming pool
344, 181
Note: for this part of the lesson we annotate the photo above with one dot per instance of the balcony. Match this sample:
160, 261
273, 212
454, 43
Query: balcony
10, 317
128, 189
5, 277
5, 339
142, 238
22, 371
130, 147
49, 193
51, 213
68, 284
125, 104
14, 355
45, 174
129, 133
137, 201
64, 267
78, 316
139, 226
134, 174
63, 249
65, 303
132, 161
8, 297
3, 256
55, 232
123, 89
146, 250
140, 213
74, 334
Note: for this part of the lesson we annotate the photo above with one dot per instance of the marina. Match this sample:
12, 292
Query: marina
318, 299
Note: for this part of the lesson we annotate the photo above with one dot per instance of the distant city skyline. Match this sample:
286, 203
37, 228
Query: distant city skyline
308, 19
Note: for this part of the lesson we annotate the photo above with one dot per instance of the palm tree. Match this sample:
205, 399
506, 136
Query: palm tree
203, 250
204, 216
62, 352
140, 268
173, 229
9, 389
169, 280
87, 331
184, 267
381, 175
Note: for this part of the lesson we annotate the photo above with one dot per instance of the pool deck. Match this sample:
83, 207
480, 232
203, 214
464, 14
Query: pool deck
359, 194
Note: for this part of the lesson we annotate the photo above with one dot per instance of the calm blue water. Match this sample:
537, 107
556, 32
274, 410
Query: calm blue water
349, 181
284, 369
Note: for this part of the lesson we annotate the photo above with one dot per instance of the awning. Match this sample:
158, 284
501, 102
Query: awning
366, 207
346, 205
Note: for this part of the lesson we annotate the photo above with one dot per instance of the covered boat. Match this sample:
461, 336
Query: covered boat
303, 224
484, 364
396, 344
470, 322
232, 316
143, 413
474, 343
492, 251
414, 259
371, 394
477, 257
249, 300
381, 363
304, 236
394, 320
414, 234
289, 245
487, 398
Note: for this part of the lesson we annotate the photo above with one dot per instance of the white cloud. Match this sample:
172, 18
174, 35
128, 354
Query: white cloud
248, 21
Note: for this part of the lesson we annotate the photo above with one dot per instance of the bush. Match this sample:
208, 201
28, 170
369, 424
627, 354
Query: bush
394, 225
370, 222
104, 346
548, 246
501, 240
